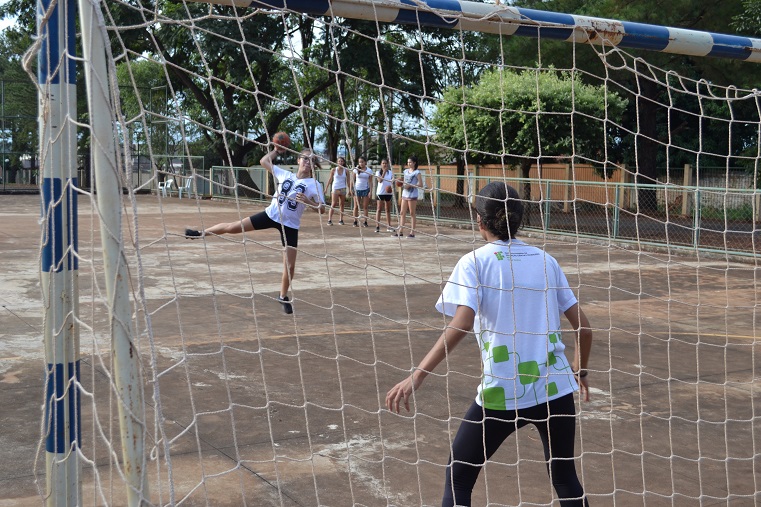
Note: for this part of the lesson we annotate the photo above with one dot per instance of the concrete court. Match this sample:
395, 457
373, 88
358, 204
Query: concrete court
263, 409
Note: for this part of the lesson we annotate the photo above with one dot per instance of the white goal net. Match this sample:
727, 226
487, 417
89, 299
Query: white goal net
638, 173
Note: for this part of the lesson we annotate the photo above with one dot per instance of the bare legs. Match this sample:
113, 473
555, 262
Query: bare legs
339, 198
245, 225
289, 268
365, 206
412, 206
379, 208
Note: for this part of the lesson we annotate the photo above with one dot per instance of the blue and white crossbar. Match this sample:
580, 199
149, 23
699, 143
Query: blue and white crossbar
508, 20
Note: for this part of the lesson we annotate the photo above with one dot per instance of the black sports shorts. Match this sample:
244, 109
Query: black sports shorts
288, 235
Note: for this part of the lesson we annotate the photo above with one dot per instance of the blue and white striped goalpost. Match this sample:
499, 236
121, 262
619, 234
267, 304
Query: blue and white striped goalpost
59, 263
59, 260
508, 20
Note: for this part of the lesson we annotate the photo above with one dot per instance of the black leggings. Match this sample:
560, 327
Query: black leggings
491, 428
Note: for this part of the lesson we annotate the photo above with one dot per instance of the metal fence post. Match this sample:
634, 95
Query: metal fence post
696, 220
547, 205
617, 212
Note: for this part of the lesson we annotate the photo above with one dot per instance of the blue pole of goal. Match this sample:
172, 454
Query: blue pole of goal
59, 265
508, 20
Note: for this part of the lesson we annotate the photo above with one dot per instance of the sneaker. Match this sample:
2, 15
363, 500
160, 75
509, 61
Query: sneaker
390, 229
330, 222
364, 224
193, 234
340, 222
287, 307
356, 224
410, 235
377, 228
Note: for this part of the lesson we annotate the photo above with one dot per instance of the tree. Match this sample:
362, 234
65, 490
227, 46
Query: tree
19, 135
527, 117
646, 80
379, 75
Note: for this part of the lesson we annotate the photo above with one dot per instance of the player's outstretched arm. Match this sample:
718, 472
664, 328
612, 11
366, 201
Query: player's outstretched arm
458, 328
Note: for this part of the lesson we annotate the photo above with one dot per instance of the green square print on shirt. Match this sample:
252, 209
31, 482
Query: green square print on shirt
528, 372
500, 354
493, 398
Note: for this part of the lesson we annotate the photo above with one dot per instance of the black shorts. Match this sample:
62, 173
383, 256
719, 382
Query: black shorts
288, 235
384, 197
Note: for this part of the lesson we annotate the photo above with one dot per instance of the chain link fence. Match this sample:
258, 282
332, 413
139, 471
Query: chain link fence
722, 219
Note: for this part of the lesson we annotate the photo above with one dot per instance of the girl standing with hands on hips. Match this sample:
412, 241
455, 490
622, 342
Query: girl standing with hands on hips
362, 175
511, 296
412, 186
295, 193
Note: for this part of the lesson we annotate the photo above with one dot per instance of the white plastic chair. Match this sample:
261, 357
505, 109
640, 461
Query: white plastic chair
165, 187
186, 186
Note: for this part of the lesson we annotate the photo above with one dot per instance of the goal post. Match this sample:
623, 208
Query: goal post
509, 20
127, 372
59, 262
213, 298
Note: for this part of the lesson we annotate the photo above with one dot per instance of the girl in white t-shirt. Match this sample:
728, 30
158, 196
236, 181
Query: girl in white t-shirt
340, 181
296, 193
362, 177
385, 191
412, 187
511, 296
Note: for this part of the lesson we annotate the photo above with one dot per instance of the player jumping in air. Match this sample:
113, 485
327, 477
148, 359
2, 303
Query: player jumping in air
295, 193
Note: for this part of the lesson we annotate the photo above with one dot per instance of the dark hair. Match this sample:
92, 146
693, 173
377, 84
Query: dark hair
500, 208
414, 160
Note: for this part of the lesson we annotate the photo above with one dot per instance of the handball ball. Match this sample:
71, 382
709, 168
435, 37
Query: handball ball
281, 139
399, 183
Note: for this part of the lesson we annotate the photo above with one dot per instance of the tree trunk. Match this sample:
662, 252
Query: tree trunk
459, 201
647, 147
525, 173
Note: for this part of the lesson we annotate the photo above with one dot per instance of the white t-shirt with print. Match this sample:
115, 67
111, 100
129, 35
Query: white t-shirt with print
362, 181
518, 293
386, 184
284, 208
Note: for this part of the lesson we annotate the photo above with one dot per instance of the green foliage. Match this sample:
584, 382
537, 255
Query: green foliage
20, 134
748, 22
529, 114
382, 76
709, 126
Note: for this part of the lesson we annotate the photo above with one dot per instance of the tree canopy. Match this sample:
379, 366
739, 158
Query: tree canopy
233, 76
525, 117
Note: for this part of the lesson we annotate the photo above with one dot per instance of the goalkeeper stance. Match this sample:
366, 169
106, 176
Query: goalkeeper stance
295, 193
511, 295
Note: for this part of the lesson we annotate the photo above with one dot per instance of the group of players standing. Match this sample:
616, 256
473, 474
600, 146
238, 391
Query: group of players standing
357, 182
